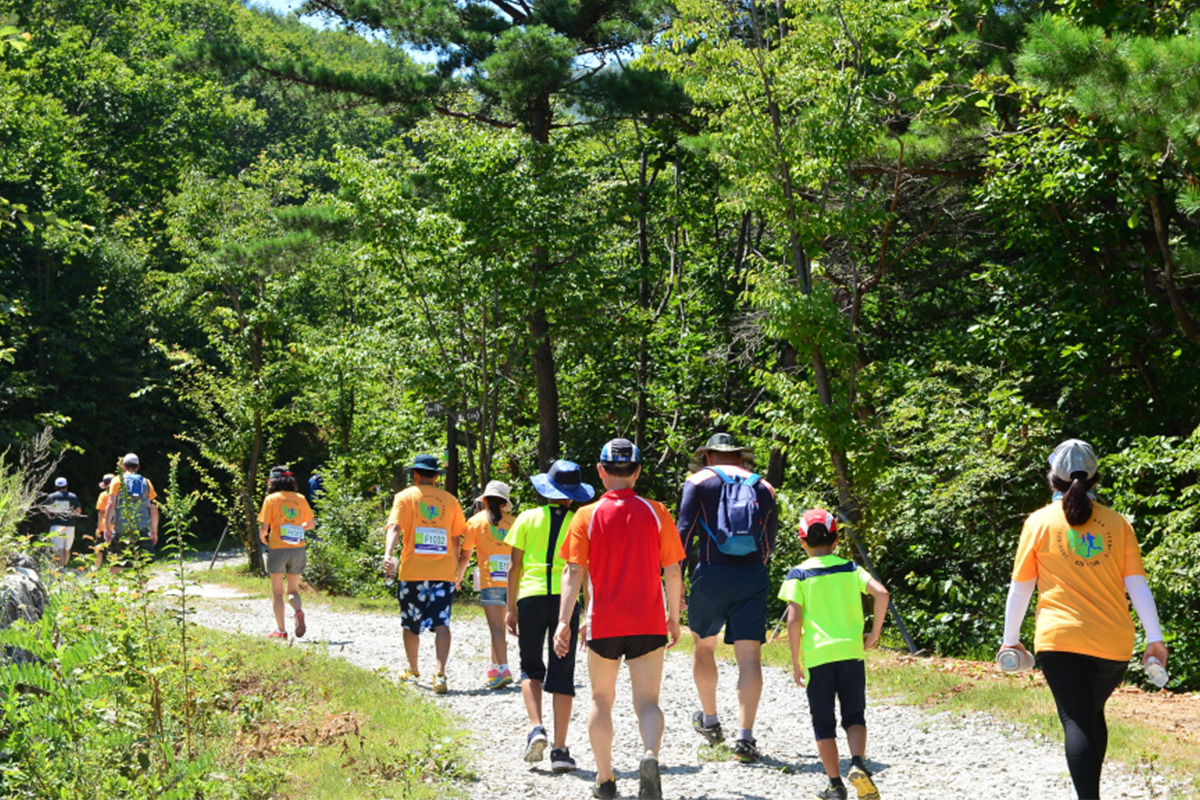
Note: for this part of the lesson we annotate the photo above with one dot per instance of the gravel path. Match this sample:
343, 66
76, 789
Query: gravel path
916, 755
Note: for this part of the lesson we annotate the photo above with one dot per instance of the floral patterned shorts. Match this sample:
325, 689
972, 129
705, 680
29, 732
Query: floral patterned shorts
424, 605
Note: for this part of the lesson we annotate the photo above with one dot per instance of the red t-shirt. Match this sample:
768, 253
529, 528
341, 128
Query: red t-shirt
624, 541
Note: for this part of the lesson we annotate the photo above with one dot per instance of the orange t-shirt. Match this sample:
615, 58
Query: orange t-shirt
1080, 572
492, 555
102, 507
432, 526
288, 515
624, 540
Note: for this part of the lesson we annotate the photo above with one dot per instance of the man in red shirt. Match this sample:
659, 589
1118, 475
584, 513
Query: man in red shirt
625, 545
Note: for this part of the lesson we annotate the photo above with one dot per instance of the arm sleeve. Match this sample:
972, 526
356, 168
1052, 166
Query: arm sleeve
1019, 594
262, 512
772, 522
689, 512
670, 547
575, 550
1143, 603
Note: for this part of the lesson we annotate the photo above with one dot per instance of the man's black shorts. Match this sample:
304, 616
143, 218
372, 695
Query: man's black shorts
631, 647
730, 596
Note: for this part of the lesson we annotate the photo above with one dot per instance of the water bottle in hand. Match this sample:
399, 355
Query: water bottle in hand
1010, 659
1156, 672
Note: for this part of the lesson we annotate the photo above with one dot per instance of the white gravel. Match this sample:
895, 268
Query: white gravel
915, 754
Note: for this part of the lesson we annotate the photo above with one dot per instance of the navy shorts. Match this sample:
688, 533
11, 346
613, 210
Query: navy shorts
537, 620
733, 596
845, 680
424, 605
631, 647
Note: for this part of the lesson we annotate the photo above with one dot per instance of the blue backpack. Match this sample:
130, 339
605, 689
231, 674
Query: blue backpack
739, 524
133, 503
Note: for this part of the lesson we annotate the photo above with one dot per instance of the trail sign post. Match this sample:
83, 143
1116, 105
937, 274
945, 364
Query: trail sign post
470, 415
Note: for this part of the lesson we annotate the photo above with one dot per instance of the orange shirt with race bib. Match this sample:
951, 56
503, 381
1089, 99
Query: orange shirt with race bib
1080, 572
431, 524
288, 515
624, 540
492, 555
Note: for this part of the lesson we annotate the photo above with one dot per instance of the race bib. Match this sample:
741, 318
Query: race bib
498, 567
61, 506
291, 534
430, 541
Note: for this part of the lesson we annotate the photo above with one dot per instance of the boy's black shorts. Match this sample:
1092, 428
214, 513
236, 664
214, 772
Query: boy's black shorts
845, 680
537, 620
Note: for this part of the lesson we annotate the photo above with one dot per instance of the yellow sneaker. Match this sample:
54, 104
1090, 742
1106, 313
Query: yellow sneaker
410, 677
439, 683
860, 779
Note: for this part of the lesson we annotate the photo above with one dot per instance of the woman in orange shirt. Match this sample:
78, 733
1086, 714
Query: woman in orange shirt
1082, 558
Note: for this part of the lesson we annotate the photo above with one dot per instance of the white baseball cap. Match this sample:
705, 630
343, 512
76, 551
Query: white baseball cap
131, 459
1073, 456
60, 483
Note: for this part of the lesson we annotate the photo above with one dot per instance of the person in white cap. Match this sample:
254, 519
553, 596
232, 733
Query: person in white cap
1083, 559
485, 535
132, 507
64, 509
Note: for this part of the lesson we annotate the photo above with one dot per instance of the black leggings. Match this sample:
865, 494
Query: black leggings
1081, 685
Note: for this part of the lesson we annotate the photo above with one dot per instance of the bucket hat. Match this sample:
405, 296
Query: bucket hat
1073, 456
425, 463
720, 443
497, 489
563, 481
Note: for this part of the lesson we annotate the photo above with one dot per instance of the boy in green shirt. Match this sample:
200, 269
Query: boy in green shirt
825, 622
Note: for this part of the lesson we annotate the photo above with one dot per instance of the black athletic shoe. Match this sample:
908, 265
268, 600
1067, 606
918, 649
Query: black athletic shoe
606, 790
535, 745
711, 732
649, 779
745, 751
561, 761
831, 793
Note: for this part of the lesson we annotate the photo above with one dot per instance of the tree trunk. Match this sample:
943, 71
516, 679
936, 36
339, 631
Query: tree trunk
539, 324
1184, 317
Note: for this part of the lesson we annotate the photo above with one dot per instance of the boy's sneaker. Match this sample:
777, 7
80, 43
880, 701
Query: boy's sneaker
439, 683
745, 751
277, 635
561, 761
606, 790
831, 793
535, 745
649, 778
860, 779
300, 626
712, 733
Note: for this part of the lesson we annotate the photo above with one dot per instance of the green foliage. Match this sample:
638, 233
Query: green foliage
345, 555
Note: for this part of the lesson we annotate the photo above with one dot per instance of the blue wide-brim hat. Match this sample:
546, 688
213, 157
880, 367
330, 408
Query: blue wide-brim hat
562, 482
425, 463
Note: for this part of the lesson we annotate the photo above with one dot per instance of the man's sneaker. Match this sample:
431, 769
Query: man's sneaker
535, 745
745, 751
277, 635
831, 793
711, 732
410, 676
300, 626
606, 790
439, 683
649, 779
561, 761
860, 779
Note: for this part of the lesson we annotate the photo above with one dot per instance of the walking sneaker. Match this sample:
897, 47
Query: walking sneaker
831, 793
505, 679
649, 778
300, 626
860, 779
410, 676
498, 680
439, 683
745, 751
606, 790
561, 761
277, 635
535, 745
712, 733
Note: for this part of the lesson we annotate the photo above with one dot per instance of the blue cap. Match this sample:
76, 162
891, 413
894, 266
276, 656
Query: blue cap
620, 451
563, 481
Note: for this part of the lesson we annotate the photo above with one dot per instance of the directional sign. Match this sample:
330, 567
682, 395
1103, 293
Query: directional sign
436, 409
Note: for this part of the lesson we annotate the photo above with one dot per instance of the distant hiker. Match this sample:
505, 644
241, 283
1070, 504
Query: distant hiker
534, 601
625, 544
103, 533
64, 510
485, 536
728, 522
132, 512
825, 631
315, 488
428, 525
282, 522
1083, 559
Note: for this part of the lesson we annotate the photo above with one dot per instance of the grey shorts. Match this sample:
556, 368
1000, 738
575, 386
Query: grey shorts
291, 560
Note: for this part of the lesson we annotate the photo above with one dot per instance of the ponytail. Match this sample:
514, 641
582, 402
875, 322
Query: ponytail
1077, 500
495, 509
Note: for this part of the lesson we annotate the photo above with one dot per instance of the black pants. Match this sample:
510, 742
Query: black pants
1081, 686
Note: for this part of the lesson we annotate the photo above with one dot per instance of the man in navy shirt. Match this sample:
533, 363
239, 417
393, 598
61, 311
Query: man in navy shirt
729, 586
63, 508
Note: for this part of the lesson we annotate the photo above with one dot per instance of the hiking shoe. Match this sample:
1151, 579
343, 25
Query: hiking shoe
745, 751
831, 793
410, 676
860, 779
535, 745
439, 683
712, 733
606, 790
277, 635
561, 761
300, 626
649, 779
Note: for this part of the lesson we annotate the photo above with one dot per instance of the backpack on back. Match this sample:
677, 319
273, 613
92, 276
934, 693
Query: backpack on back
739, 522
133, 503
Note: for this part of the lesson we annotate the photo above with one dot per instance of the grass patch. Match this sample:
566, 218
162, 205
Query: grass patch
325, 729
